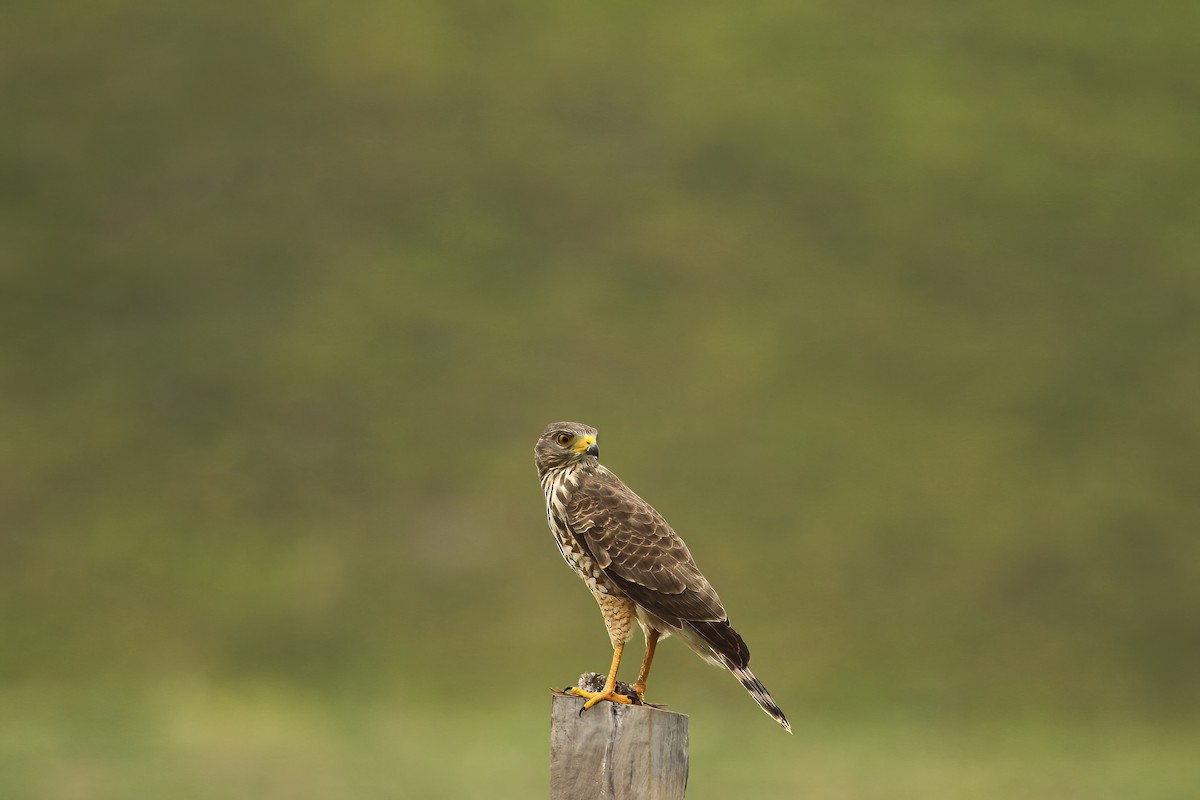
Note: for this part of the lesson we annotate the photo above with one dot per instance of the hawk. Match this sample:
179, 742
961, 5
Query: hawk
635, 565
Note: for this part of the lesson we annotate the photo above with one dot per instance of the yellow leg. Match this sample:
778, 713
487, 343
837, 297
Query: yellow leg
651, 641
610, 685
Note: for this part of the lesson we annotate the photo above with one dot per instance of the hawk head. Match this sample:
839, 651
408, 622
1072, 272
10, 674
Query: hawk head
564, 443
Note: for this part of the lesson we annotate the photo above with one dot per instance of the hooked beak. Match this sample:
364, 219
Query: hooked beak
588, 445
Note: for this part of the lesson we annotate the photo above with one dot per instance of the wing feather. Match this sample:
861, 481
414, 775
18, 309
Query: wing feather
640, 553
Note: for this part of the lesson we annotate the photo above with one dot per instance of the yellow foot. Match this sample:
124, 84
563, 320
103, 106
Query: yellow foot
595, 697
640, 689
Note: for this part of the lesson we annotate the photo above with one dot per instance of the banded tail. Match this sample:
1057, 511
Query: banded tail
720, 644
760, 694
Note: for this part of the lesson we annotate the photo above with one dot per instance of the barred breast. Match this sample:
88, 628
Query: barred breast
558, 485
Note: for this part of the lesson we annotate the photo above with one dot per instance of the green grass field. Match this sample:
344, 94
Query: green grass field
258, 740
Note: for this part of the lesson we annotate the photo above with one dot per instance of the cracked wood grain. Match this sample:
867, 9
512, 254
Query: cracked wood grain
616, 752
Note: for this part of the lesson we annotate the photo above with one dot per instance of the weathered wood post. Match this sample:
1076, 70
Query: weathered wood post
616, 752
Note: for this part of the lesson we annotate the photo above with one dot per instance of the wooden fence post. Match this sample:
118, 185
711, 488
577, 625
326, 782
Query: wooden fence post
616, 752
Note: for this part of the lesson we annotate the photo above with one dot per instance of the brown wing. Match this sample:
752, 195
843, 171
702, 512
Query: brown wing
642, 555
637, 549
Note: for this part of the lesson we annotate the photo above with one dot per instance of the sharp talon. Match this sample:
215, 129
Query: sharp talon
592, 698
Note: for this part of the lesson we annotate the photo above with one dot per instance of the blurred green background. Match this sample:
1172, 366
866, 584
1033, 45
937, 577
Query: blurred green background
893, 310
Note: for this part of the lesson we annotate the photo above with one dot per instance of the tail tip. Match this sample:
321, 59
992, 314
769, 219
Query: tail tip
761, 696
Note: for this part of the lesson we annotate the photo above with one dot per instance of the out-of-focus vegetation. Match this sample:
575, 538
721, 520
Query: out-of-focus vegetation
892, 309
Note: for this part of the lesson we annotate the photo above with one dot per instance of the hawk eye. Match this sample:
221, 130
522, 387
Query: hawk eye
564, 439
